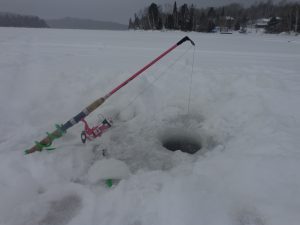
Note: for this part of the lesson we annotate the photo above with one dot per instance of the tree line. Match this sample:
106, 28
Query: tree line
16, 20
283, 16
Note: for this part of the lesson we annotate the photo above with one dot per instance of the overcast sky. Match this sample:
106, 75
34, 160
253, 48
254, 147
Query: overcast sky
107, 10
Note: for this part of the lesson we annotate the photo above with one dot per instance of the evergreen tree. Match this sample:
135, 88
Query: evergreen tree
175, 16
130, 25
273, 26
211, 15
136, 22
184, 17
202, 24
169, 22
210, 26
154, 17
237, 26
223, 12
190, 25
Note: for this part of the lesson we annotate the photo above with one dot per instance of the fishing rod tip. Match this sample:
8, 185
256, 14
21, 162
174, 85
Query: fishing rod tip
186, 38
192, 42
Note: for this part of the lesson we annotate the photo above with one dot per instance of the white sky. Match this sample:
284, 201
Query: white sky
107, 10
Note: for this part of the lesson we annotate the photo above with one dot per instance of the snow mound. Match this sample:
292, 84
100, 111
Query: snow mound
108, 169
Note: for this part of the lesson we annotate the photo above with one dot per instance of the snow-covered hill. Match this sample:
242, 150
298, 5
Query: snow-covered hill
244, 111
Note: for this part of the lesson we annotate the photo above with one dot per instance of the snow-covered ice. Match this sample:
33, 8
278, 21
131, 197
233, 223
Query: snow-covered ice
108, 169
244, 109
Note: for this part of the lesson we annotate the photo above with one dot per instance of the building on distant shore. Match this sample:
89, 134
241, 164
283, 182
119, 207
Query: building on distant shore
262, 22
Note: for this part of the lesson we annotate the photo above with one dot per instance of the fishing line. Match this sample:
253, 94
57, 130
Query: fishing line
162, 74
47, 140
191, 82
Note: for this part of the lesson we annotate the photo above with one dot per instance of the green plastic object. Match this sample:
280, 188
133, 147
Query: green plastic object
51, 137
109, 183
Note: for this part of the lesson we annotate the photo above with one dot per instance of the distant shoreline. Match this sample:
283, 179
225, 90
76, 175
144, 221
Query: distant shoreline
84, 24
8, 19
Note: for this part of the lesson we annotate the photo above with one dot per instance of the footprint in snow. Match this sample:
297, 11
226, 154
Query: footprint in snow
249, 217
62, 211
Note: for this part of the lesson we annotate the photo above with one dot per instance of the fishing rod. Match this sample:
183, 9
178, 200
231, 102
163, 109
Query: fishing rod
61, 129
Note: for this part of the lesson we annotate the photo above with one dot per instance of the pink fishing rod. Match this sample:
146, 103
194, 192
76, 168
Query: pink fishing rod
61, 129
148, 65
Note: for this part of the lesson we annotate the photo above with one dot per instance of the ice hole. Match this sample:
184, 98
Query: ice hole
183, 143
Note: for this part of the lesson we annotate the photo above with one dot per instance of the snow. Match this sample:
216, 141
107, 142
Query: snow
244, 110
108, 169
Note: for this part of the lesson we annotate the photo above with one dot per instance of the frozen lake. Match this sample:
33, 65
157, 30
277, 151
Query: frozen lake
243, 110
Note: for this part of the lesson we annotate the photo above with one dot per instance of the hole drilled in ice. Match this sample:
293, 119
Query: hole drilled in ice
185, 133
183, 143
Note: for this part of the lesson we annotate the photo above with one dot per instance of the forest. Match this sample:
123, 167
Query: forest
16, 20
277, 18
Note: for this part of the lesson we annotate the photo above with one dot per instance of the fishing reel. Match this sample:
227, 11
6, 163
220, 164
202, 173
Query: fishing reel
90, 133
